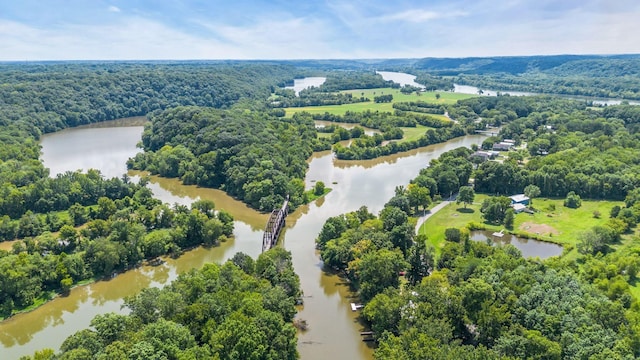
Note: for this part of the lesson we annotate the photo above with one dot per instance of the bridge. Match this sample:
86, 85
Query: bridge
274, 226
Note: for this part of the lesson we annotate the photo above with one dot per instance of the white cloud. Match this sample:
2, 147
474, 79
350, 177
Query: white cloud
139, 38
114, 8
278, 38
132, 38
421, 16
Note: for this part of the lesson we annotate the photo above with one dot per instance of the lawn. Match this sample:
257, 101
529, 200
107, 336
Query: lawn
562, 225
430, 97
413, 133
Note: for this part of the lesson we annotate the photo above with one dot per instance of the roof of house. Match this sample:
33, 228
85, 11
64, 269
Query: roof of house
502, 146
518, 198
517, 207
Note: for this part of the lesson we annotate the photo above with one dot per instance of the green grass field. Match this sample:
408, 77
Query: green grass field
413, 133
430, 97
562, 225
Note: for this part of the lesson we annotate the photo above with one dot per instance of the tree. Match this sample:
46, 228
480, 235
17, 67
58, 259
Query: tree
573, 200
421, 260
378, 270
509, 217
452, 234
494, 208
318, 189
448, 183
614, 211
531, 191
78, 214
418, 196
392, 216
465, 195
384, 311
632, 197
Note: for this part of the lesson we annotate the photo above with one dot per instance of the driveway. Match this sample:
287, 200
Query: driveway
433, 211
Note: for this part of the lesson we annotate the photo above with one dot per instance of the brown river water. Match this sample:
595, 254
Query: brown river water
333, 328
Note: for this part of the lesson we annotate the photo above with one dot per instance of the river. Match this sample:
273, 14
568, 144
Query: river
400, 78
408, 79
333, 327
305, 83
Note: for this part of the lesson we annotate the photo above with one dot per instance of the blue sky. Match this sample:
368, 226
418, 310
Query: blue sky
313, 29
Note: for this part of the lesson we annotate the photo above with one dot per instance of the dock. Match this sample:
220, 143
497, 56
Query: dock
367, 336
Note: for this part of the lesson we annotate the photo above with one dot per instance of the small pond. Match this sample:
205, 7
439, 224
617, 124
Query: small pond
528, 247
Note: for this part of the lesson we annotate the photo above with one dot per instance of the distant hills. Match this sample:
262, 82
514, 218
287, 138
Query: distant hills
563, 65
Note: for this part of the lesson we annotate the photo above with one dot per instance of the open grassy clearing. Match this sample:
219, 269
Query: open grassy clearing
560, 225
430, 97
413, 133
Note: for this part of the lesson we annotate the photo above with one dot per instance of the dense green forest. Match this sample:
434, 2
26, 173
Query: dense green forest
251, 155
242, 309
310, 97
55, 96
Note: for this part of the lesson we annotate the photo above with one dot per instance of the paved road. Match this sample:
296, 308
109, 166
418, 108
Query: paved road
435, 209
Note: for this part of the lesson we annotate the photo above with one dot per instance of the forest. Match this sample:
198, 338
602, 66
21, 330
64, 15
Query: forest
255, 157
241, 309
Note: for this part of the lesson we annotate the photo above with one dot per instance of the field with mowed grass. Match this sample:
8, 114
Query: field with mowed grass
430, 97
552, 221
413, 133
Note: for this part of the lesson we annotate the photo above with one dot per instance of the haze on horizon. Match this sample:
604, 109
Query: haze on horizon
331, 29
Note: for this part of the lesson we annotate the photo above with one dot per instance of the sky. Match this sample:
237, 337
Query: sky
33, 30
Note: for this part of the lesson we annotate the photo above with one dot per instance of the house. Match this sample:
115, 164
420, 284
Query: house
518, 208
484, 155
519, 199
502, 146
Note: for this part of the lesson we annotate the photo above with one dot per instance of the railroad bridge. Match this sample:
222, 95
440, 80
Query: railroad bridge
274, 226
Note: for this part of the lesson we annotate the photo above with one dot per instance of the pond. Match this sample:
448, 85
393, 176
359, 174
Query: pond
528, 247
